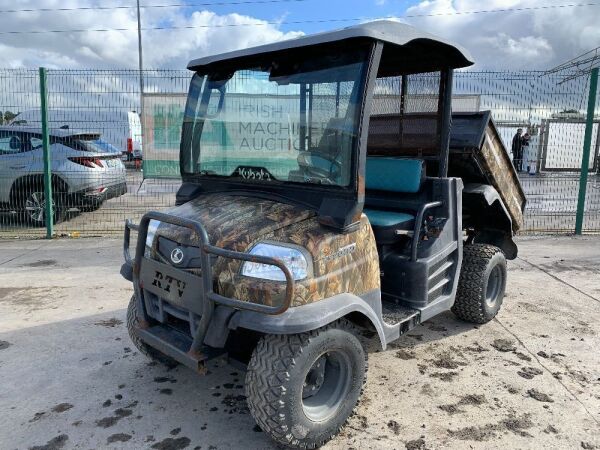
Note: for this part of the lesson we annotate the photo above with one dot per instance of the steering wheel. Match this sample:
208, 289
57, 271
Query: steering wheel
320, 166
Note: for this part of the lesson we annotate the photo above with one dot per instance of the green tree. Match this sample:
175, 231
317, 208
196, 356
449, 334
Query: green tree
7, 116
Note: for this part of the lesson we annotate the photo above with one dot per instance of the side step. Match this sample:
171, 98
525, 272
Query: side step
177, 345
399, 318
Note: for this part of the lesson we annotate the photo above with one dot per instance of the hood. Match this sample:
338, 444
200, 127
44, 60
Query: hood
232, 222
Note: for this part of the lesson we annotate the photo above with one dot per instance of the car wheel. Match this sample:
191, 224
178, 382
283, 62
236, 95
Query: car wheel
481, 284
33, 207
301, 388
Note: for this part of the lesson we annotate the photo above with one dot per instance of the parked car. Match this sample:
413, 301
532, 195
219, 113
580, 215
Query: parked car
85, 171
122, 129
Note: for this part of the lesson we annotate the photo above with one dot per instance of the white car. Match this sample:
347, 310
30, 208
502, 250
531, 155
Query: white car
85, 171
122, 129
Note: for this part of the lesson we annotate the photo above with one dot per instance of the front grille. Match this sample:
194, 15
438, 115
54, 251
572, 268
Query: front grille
169, 314
191, 259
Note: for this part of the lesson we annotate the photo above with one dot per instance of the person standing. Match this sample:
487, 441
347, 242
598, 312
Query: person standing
524, 151
517, 150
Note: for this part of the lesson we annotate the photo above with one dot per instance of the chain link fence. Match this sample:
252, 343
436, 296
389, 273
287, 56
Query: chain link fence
101, 174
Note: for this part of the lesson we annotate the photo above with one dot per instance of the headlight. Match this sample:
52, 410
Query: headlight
291, 257
152, 227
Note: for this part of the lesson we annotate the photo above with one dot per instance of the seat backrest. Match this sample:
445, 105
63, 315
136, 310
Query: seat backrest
394, 174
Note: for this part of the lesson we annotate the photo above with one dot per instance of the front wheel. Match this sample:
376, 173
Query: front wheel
481, 284
301, 388
145, 349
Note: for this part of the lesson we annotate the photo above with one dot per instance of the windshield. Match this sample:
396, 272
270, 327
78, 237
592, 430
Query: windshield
284, 121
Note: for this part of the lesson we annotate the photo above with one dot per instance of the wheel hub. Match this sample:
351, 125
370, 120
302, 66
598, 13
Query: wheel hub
326, 385
314, 378
35, 205
494, 286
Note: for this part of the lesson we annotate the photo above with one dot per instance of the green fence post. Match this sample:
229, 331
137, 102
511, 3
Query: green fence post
587, 144
49, 213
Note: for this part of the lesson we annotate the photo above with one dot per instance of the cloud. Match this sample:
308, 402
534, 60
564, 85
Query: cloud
534, 39
119, 49
521, 50
531, 39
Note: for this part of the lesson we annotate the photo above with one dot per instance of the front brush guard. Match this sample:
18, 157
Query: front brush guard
131, 271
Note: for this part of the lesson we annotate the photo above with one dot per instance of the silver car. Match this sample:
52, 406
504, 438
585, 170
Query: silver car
85, 171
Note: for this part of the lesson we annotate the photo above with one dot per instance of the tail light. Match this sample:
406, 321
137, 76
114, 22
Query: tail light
87, 161
129, 145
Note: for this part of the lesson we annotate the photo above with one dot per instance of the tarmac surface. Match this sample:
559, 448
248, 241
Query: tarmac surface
72, 379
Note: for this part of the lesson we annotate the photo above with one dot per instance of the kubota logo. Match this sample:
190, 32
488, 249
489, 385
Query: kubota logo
177, 255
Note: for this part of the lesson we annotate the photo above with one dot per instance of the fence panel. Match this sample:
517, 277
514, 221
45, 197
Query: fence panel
99, 163
21, 194
552, 113
96, 148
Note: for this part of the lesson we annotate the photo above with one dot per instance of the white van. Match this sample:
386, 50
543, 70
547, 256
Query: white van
121, 129
134, 138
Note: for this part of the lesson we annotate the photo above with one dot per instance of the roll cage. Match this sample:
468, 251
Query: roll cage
393, 50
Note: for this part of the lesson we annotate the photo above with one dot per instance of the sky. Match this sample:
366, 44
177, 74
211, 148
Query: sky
521, 37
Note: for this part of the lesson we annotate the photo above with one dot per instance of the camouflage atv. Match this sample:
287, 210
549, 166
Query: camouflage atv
316, 204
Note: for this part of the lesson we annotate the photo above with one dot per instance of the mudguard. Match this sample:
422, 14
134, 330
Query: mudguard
495, 232
314, 315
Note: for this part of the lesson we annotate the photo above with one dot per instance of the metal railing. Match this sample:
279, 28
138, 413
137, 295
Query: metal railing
93, 196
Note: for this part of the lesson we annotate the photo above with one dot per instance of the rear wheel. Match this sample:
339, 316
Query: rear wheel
302, 388
145, 349
31, 203
481, 284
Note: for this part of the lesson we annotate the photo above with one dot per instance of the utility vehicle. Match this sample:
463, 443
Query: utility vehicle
316, 204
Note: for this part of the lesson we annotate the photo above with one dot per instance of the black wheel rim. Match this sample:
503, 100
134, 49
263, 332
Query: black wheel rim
326, 385
494, 286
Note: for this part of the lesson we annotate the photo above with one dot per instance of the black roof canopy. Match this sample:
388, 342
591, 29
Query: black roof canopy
406, 50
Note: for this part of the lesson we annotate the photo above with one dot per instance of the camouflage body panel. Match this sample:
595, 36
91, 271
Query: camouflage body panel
341, 262
232, 222
494, 160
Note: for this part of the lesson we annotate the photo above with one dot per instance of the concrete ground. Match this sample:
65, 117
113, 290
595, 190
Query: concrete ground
72, 379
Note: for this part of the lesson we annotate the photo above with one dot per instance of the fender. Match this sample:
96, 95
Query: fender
494, 226
314, 315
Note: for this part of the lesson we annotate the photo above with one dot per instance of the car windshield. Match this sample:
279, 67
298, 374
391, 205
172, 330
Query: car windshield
285, 120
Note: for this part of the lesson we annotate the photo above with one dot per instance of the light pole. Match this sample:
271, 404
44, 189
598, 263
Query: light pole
141, 66
140, 61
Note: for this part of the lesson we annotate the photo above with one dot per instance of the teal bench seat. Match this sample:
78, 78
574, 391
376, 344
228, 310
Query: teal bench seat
379, 218
392, 175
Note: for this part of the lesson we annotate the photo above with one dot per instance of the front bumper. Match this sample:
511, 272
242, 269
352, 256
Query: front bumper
167, 294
